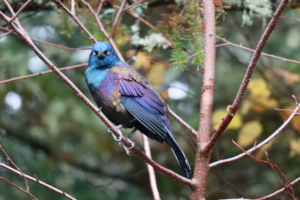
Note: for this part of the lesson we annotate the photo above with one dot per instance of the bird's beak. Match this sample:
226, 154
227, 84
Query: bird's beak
101, 55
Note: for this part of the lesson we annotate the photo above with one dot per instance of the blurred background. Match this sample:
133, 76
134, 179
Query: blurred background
49, 132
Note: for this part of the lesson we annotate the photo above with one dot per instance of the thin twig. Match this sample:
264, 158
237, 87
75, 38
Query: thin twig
114, 28
26, 192
41, 73
288, 185
279, 191
60, 46
10, 160
124, 140
102, 29
252, 50
134, 4
133, 14
73, 7
36, 180
183, 123
99, 7
237, 102
175, 63
151, 172
5, 34
58, 2
293, 18
266, 141
19, 11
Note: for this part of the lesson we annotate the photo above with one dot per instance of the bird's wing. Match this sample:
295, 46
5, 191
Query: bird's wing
143, 103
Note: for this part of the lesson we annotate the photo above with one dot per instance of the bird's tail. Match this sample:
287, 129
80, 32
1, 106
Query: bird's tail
180, 156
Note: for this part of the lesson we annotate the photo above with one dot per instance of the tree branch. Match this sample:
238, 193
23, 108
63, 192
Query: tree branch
206, 103
102, 29
26, 192
234, 107
38, 181
114, 28
42, 73
153, 183
295, 112
58, 2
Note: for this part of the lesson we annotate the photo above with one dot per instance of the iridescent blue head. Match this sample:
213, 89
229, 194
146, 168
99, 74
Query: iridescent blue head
103, 56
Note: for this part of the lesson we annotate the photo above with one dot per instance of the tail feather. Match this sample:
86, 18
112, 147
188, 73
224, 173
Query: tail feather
179, 155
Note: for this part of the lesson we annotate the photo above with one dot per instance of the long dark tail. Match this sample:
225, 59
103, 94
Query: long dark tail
180, 156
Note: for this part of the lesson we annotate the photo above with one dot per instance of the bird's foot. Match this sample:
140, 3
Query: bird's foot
119, 130
127, 149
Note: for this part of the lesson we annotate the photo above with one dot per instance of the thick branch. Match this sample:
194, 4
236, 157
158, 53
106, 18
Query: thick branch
206, 103
234, 107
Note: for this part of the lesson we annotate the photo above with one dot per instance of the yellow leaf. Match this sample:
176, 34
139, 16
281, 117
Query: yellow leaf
259, 88
295, 147
246, 107
155, 75
249, 133
295, 121
141, 62
220, 113
288, 77
262, 104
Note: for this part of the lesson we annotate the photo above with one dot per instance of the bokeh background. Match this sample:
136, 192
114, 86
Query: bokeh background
51, 133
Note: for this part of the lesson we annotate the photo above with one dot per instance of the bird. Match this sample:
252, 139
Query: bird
128, 100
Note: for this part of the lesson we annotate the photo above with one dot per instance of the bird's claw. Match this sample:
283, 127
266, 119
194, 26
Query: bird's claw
115, 137
127, 149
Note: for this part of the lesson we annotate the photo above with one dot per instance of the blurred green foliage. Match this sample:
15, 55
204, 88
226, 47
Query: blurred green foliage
55, 136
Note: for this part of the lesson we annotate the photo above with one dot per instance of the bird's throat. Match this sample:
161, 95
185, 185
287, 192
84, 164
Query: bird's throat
95, 76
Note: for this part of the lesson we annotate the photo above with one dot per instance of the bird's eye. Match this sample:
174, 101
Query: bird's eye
107, 52
95, 52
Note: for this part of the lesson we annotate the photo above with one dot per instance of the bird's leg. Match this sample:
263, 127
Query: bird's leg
119, 130
131, 133
127, 149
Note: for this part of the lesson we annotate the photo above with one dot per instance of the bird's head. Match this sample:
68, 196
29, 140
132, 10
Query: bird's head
103, 56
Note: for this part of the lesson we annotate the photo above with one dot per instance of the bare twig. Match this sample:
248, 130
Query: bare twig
10, 160
134, 4
19, 11
114, 28
100, 25
252, 50
130, 12
175, 63
206, 103
234, 107
124, 140
26, 192
73, 7
38, 181
100, 7
260, 144
279, 191
5, 34
41, 73
293, 18
183, 123
153, 183
58, 2
60, 46
288, 185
